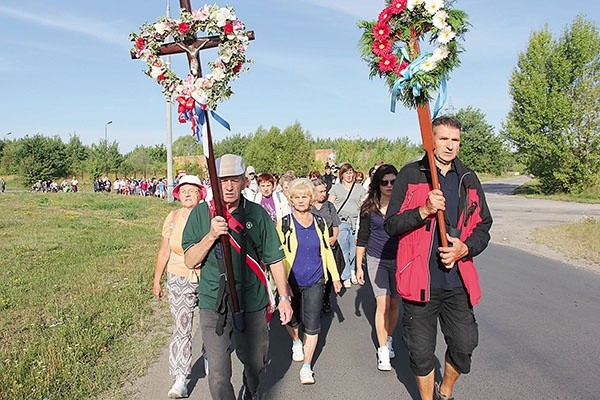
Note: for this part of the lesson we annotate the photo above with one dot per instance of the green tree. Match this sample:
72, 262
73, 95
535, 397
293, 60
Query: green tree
236, 144
554, 120
41, 158
186, 146
275, 151
480, 149
104, 159
77, 153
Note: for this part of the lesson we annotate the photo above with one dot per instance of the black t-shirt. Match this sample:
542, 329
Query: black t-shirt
441, 277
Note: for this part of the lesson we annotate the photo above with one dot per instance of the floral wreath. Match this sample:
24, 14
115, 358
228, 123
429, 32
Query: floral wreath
212, 88
412, 77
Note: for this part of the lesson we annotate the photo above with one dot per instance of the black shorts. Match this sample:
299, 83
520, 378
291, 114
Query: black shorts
457, 321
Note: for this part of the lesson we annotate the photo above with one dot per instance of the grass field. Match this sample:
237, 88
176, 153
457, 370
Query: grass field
77, 315
579, 240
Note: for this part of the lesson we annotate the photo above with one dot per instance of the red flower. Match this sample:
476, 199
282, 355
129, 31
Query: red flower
385, 15
382, 47
381, 31
397, 6
400, 67
160, 78
228, 28
237, 68
139, 43
183, 27
387, 63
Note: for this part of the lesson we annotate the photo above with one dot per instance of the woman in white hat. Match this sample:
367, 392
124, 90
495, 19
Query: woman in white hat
182, 283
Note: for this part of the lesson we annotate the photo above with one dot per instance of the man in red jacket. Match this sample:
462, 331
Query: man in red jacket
439, 282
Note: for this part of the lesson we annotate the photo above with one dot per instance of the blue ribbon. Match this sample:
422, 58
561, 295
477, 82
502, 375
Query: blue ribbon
199, 116
442, 95
407, 74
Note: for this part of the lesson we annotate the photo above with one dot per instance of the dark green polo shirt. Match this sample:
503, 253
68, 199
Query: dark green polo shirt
260, 228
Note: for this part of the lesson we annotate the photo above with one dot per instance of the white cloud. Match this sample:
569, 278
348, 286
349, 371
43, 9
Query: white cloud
97, 29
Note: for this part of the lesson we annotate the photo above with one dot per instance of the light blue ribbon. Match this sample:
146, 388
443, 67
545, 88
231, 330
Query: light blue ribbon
407, 74
199, 115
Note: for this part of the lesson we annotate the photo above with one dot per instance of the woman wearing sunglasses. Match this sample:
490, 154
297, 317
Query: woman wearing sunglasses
380, 249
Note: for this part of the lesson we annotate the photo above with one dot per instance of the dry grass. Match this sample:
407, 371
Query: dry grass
578, 240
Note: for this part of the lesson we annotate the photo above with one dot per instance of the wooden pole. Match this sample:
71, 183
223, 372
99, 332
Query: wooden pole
424, 115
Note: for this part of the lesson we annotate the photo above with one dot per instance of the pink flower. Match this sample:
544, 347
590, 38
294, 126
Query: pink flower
398, 6
160, 78
381, 31
139, 43
385, 15
183, 28
387, 63
401, 67
228, 28
382, 47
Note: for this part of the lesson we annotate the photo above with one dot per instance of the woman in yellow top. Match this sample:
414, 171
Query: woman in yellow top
182, 283
308, 258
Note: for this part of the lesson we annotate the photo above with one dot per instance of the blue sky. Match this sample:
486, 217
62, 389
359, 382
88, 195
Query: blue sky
65, 68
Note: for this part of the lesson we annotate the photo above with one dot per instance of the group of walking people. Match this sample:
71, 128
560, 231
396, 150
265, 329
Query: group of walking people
289, 250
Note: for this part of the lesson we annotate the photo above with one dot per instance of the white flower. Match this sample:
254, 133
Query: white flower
200, 96
225, 54
446, 35
161, 27
156, 71
222, 15
428, 65
440, 53
432, 6
411, 4
218, 74
439, 19
201, 14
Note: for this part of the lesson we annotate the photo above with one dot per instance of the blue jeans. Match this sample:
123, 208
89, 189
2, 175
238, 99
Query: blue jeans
348, 245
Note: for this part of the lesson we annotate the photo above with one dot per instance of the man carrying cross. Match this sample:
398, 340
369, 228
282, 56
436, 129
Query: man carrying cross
437, 281
253, 238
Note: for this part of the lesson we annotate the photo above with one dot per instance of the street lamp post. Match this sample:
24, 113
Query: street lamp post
105, 127
106, 147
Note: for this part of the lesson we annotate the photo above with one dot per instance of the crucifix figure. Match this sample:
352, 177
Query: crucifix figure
193, 47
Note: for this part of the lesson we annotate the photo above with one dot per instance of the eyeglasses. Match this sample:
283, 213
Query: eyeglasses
191, 191
385, 182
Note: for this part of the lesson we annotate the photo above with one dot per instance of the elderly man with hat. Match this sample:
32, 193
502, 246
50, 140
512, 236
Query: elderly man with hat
251, 233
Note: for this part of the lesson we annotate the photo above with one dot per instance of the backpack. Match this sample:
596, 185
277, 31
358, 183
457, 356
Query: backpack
286, 229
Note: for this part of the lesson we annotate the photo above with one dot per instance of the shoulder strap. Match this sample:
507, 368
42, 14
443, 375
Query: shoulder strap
347, 197
286, 229
321, 224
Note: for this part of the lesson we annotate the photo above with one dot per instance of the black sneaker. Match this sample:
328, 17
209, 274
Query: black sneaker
437, 395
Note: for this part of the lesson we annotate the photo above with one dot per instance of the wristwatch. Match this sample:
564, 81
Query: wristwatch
288, 298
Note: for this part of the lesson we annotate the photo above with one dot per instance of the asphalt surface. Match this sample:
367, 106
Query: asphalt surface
538, 320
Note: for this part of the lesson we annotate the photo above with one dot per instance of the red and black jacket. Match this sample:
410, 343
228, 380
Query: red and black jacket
415, 235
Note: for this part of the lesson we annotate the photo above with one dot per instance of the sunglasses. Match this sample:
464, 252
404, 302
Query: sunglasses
385, 182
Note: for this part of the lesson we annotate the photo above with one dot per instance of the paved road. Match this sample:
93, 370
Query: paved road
539, 325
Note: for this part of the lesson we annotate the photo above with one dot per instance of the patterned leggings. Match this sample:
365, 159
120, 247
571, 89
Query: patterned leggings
183, 298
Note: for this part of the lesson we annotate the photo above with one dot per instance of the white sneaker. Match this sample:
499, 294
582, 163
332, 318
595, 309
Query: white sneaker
383, 359
353, 279
297, 352
347, 283
179, 389
307, 377
390, 347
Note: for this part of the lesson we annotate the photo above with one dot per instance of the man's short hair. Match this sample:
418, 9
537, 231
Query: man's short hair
447, 121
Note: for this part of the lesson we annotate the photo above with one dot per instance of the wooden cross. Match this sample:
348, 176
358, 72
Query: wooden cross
424, 115
193, 47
